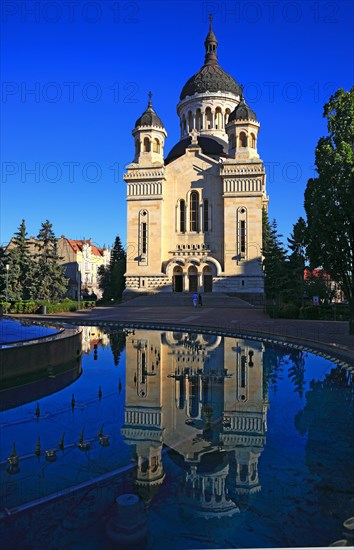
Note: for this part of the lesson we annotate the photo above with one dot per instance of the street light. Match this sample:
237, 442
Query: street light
7, 285
79, 286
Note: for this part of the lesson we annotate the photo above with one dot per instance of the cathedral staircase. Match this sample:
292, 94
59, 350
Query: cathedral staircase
176, 299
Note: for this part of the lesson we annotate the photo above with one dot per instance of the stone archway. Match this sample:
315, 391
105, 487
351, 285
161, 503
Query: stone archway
193, 279
207, 279
177, 279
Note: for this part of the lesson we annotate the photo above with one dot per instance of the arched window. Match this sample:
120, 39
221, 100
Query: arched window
242, 139
147, 148
156, 146
208, 118
227, 114
137, 147
190, 121
194, 211
206, 215
198, 119
232, 141
253, 141
184, 125
218, 119
182, 216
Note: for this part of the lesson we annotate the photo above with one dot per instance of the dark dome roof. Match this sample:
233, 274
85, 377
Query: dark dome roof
242, 112
210, 78
209, 145
149, 117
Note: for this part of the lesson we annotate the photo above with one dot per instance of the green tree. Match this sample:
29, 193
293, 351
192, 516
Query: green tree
20, 273
329, 197
297, 261
9, 278
111, 278
275, 262
52, 283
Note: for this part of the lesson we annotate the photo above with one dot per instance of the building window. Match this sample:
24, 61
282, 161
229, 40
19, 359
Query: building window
156, 146
190, 121
243, 139
137, 147
241, 233
184, 125
253, 141
146, 145
143, 236
218, 119
243, 237
232, 141
206, 215
182, 216
208, 118
198, 119
194, 211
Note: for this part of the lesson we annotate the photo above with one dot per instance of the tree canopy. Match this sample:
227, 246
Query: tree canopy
329, 197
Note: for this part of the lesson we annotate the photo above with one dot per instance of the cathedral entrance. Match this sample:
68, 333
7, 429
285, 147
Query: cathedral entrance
207, 279
193, 279
177, 279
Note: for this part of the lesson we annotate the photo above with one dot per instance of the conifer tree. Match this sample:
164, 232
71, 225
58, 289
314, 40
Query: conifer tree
52, 283
275, 266
111, 278
297, 261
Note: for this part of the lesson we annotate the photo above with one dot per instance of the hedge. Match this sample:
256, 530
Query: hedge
37, 307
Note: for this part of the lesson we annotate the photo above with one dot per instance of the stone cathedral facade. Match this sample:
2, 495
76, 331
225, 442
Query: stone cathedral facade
195, 215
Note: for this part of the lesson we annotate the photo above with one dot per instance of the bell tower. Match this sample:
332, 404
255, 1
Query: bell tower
149, 135
242, 131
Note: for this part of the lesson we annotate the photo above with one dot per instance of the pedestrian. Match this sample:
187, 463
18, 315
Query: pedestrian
200, 301
195, 299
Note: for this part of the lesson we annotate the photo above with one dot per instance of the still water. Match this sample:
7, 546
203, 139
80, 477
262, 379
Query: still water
180, 440
18, 331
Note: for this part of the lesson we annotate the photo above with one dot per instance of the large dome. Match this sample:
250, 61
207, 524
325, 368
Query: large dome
209, 145
210, 78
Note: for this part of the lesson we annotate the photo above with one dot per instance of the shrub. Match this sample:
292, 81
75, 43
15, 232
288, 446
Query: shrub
310, 312
289, 311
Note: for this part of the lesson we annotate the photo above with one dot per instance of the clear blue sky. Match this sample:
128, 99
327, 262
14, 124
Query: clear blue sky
90, 66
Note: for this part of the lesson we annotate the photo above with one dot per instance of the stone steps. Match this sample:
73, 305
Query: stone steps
175, 299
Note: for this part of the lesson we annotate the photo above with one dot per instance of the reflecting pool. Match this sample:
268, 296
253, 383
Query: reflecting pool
181, 440
17, 331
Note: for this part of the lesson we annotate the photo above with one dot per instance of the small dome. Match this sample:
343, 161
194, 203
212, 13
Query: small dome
149, 117
242, 112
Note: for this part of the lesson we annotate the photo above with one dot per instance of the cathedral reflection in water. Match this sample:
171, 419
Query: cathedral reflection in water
202, 399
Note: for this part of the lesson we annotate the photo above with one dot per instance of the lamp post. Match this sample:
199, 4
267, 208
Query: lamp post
7, 285
78, 286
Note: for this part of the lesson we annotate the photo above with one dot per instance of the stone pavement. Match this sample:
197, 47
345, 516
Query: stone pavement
330, 336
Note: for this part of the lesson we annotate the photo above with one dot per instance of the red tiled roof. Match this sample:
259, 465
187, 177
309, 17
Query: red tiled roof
316, 273
77, 246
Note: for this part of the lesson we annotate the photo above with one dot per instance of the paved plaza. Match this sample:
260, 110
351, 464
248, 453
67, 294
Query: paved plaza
220, 312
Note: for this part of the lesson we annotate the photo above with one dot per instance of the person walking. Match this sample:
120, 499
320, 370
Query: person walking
195, 299
200, 301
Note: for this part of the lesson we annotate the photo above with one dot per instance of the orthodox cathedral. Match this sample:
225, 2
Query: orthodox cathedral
195, 216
